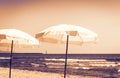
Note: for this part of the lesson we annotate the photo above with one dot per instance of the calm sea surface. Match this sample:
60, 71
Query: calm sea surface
73, 56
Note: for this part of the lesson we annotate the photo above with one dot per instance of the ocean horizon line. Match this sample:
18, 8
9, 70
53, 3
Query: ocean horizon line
74, 56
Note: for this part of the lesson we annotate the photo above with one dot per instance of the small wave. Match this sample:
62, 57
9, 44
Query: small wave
4, 57
76, 59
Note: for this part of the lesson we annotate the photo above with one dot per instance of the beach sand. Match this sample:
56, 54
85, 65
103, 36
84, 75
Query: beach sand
16, 73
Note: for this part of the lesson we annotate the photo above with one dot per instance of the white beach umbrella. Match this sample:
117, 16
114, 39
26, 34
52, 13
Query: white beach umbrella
68, 34
16, 38
58, 34
20, 38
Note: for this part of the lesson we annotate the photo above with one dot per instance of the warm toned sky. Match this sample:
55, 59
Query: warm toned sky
101, 16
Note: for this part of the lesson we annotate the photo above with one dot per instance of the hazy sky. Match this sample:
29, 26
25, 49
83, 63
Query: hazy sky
100, 16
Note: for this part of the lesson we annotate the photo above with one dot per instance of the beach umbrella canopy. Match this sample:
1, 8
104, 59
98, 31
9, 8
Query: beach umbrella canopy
58, 34
20, 38
16, 38
68, 34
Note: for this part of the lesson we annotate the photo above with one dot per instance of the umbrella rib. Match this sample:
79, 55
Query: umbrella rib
81, 39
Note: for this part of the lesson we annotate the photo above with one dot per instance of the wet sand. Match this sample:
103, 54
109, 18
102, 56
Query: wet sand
16, 73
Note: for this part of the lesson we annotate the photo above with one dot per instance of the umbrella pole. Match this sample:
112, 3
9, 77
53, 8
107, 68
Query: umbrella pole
65, 67
11, 59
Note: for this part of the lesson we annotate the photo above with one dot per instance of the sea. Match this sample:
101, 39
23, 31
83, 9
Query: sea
96, 65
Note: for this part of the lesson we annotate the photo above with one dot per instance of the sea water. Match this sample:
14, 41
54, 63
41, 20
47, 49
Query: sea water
97, 65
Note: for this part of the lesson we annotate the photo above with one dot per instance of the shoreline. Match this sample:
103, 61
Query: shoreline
18, 73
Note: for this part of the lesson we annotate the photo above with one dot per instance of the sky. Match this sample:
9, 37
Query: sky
32, 16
